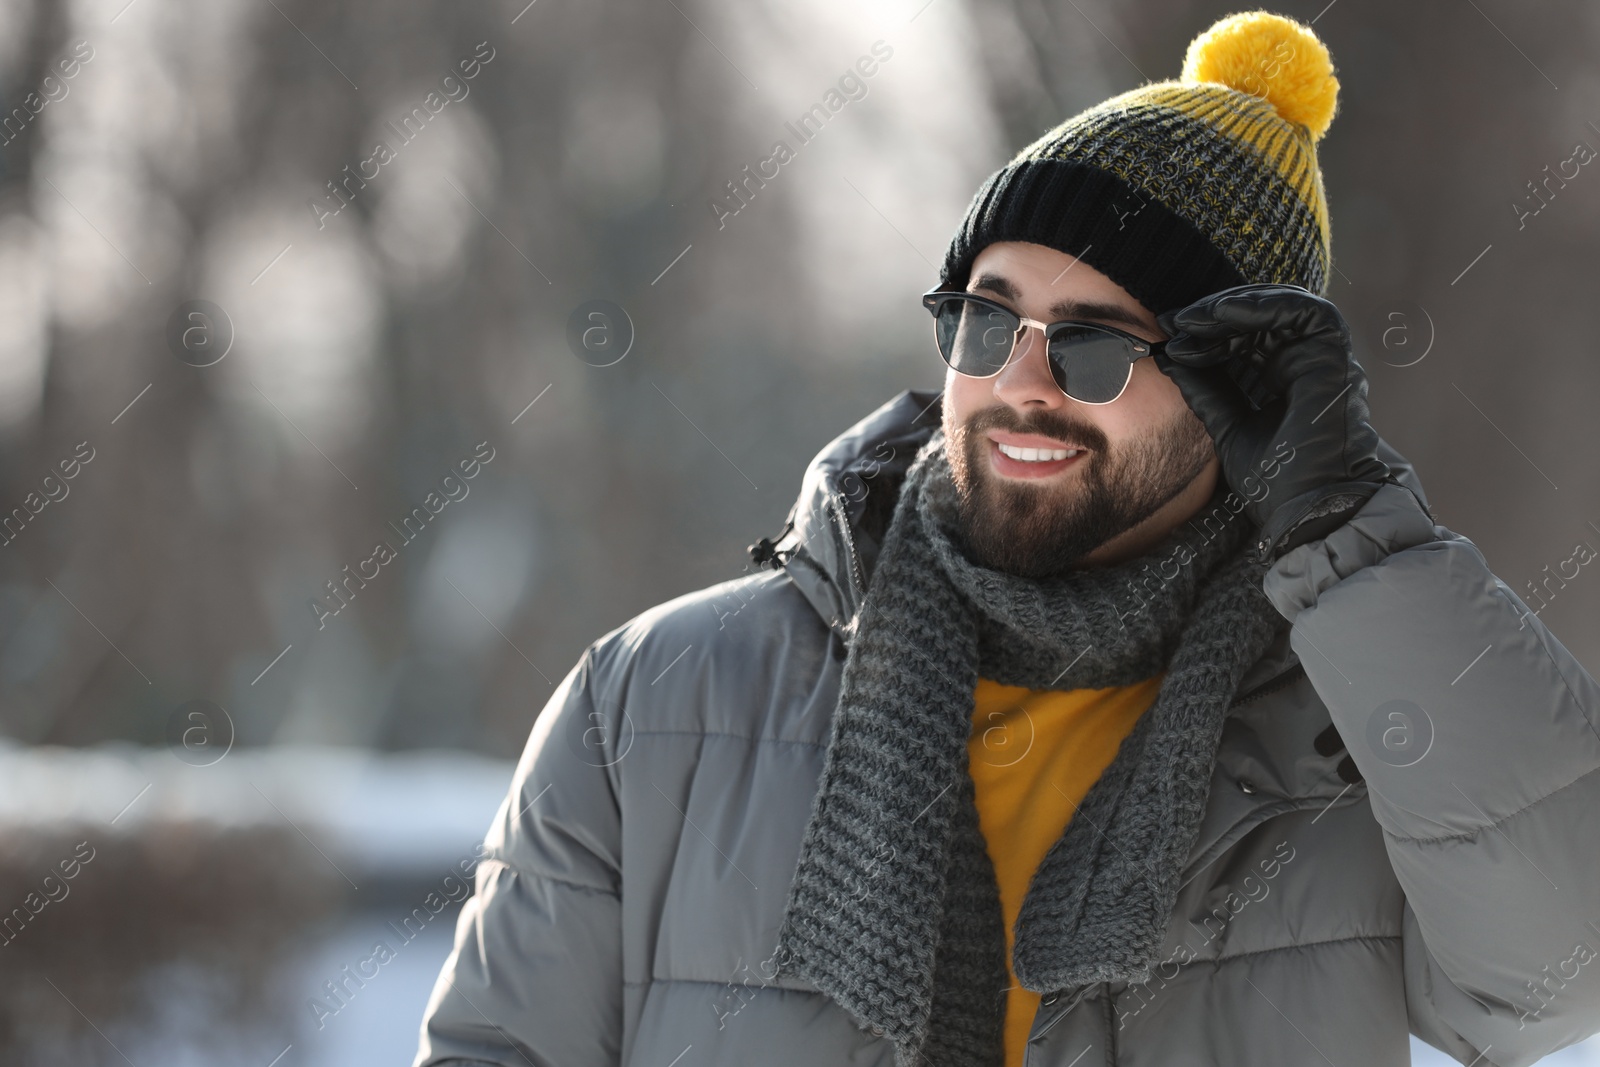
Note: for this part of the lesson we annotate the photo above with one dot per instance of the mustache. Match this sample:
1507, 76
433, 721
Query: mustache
1046, 424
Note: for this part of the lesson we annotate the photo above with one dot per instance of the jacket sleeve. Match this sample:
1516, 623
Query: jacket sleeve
535, 977
1475, 730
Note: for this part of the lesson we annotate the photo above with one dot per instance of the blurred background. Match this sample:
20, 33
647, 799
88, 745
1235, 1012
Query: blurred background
241, 346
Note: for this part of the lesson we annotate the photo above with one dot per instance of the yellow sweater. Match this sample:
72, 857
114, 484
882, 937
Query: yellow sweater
1033, 755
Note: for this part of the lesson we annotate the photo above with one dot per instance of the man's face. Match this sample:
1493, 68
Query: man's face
1147, 462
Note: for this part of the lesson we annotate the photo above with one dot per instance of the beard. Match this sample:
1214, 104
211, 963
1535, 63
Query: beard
1035, 529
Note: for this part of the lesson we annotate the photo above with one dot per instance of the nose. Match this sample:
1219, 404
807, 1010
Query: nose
1026, 381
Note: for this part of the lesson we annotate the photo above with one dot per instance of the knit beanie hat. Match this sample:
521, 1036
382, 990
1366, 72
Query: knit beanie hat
1177, 189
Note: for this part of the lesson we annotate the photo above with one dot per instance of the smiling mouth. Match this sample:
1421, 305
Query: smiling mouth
1036, 455
1011, 461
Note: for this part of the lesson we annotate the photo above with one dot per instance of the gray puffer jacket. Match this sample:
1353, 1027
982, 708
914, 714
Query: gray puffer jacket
1402, 831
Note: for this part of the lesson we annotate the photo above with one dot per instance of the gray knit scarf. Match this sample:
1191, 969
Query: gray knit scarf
894, 910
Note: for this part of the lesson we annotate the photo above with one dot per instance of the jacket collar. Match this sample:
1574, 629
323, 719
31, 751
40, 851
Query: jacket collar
826, 547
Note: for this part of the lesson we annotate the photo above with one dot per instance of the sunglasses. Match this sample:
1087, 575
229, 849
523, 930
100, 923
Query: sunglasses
1091, 363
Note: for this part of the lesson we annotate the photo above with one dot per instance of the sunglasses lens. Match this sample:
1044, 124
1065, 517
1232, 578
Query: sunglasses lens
1089, 364
973, 339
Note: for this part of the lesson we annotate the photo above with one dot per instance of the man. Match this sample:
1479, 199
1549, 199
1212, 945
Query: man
1100, 709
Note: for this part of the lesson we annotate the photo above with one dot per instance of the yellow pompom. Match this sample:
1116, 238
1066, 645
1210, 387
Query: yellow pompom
1272, 57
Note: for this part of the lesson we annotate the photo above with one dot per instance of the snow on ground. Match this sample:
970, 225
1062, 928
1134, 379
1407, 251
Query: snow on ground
389, 815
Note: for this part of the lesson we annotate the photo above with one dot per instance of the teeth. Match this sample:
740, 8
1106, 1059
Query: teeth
1038, 455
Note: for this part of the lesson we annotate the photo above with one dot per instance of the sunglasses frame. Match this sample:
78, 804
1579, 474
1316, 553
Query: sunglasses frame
1138, 347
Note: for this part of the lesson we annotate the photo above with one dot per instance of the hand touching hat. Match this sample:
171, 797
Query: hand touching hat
1320, 410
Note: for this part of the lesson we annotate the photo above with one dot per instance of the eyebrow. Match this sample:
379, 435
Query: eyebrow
1065, 309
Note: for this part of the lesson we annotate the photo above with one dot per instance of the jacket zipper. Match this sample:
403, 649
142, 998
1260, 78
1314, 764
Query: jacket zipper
1272, 685
850, 547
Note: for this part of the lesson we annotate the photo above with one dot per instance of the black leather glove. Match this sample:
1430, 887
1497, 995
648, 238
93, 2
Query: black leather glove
1313, 436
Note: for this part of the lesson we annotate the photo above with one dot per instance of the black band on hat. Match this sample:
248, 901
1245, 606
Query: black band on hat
1160, 258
